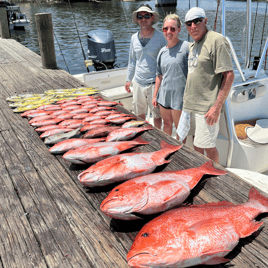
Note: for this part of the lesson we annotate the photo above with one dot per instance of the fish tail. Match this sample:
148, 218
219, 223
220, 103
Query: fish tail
208, 168
255, 197
165, 145
147, 128
140, 140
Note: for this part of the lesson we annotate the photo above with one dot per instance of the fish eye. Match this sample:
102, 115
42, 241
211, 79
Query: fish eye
116, 190
145, 235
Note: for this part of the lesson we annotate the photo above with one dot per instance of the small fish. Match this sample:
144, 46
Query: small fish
71, 107
154, 193
123, 134
48, 127
133, 124
79, 111
92, 154
101, 108
42, 123
38, 113
62, 136
104, 113
53, 108
70, 144
41, 117
121, 120
69, 103
89, 106
81, 116
99, 132
99, 122
43, 107
89, 127
69, 121
113, 116
197, 234
108, 103
52, 132
75, 125
125, 166
92, 118
59, 112
25, 114
65, 116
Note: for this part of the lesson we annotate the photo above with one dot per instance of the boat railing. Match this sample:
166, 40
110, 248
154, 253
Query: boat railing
235, 59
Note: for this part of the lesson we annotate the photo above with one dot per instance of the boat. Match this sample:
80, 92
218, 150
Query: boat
16, 19
246, 105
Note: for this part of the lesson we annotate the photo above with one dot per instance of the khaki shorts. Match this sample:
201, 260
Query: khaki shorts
142, 98
205, 135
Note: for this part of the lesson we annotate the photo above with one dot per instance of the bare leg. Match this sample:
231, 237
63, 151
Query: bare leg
213, 154
158, 122
142, 116
168, 120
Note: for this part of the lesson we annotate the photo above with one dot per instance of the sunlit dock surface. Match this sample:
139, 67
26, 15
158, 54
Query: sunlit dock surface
48, 219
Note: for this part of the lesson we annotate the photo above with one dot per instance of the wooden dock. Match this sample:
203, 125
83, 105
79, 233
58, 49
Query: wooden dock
48, 219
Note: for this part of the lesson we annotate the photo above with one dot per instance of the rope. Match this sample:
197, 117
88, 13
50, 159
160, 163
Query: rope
263, 29
126, 17
252, 40
78, 34
216, 17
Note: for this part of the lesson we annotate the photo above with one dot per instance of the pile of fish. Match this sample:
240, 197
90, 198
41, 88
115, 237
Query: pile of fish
24, 102
87, 129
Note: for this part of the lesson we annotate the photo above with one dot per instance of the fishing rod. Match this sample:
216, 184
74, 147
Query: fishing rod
84, 55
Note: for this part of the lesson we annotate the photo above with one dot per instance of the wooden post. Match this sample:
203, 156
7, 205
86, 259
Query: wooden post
46, 40
4, 27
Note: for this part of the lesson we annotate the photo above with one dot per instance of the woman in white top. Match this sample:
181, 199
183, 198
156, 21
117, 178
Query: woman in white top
171, 74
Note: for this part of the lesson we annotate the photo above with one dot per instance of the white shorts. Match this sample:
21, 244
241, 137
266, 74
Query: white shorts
205, 135
142, 98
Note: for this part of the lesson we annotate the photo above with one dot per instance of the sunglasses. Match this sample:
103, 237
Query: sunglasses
195, 21
172, 29
146, 16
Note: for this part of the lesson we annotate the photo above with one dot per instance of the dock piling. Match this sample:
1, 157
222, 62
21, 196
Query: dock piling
46, 40
4, 27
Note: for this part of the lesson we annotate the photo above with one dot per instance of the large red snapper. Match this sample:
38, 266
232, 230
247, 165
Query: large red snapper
92, 154
154, 193
126, 166
198, 234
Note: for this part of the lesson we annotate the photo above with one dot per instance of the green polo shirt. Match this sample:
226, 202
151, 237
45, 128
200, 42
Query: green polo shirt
208, 59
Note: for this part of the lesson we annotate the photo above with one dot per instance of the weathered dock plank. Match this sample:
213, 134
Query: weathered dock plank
48, 219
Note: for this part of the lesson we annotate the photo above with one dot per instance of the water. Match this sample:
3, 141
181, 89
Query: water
116, 17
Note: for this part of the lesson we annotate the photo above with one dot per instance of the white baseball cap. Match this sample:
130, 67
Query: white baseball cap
195, 13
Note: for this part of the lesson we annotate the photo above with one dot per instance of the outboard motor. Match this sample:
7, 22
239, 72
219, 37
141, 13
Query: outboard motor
101, 49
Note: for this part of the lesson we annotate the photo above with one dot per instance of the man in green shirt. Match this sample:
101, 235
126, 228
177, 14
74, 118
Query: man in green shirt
209, 80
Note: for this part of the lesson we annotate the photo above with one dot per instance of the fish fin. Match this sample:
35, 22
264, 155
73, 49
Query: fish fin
255, 197
215, 260
164, 185
142, 204
252, 228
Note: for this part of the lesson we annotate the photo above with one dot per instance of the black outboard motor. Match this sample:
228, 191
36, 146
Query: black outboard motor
101, 49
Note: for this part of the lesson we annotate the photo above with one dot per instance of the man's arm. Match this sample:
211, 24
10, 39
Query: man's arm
213, 114
131, 67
